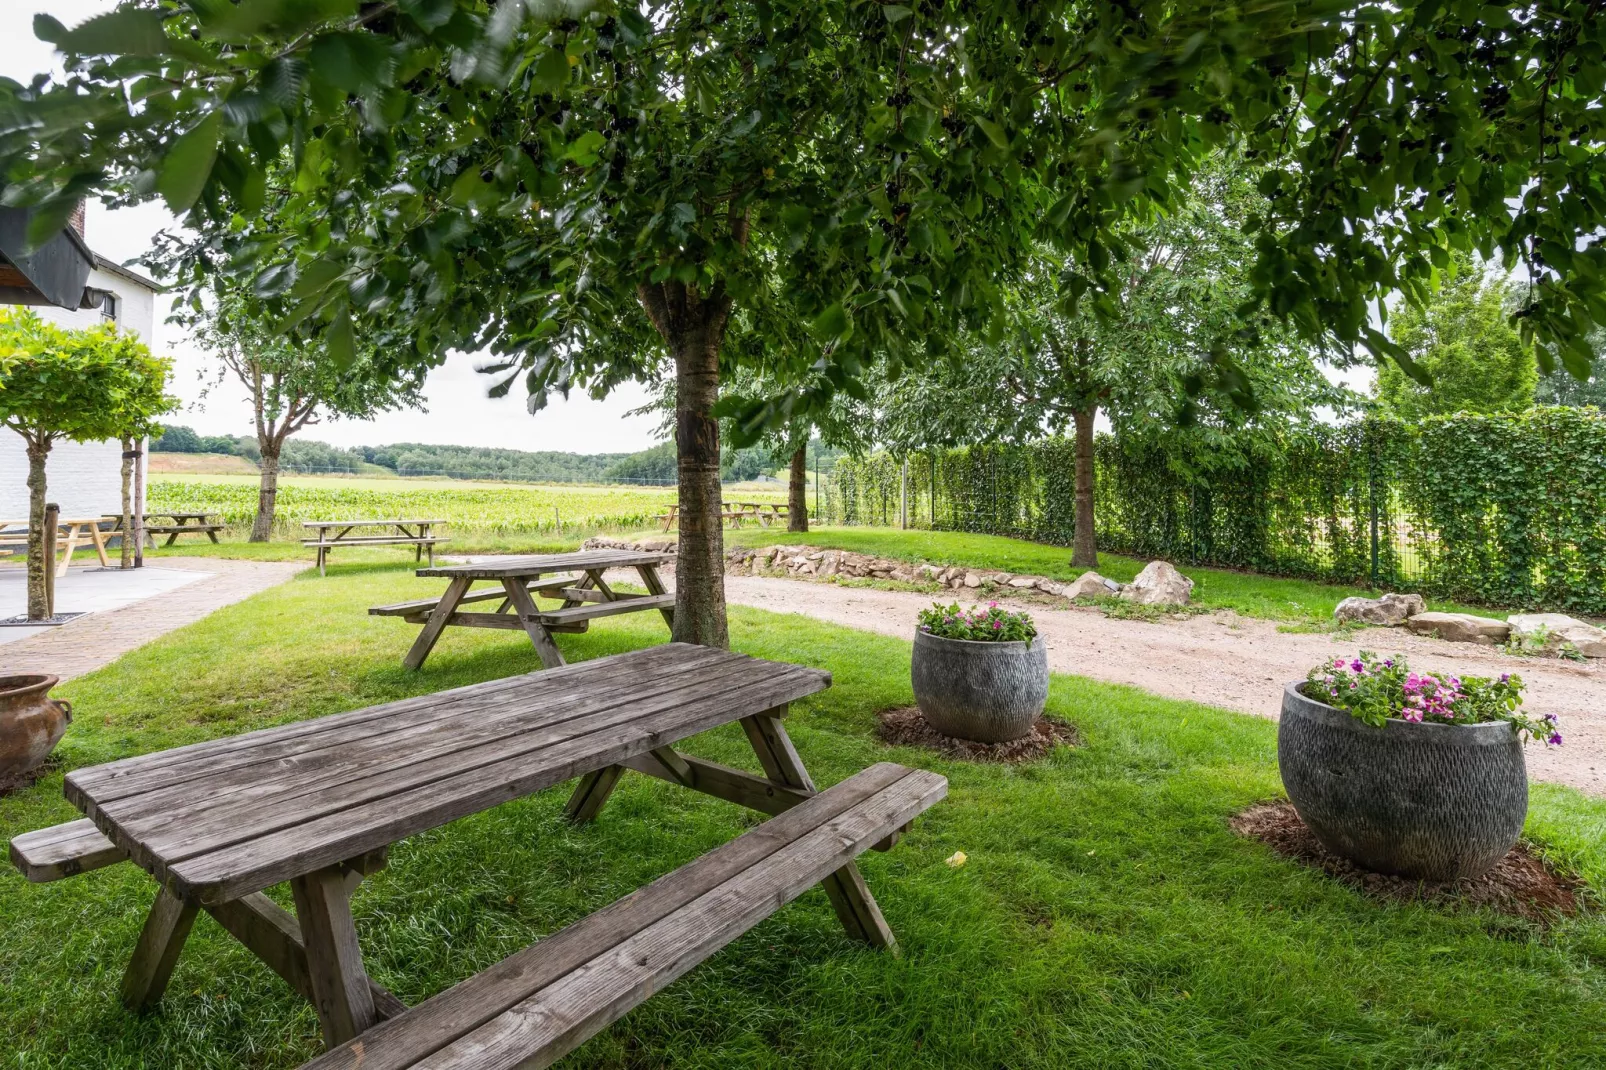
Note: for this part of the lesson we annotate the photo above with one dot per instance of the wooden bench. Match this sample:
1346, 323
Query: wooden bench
557, 586
624, 603
541, 1003
414, 533
177, 524
64, 850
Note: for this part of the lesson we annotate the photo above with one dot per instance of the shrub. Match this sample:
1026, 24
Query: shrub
990, 625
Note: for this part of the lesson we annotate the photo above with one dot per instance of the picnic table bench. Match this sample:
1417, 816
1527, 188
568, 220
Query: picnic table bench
734, 513
69, 533
176, 524
319, 803
413, 533
575, 579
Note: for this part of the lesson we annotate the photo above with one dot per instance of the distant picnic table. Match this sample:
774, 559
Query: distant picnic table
415, 533
70, 531
575, 579
172, 525
733, 513
319, 803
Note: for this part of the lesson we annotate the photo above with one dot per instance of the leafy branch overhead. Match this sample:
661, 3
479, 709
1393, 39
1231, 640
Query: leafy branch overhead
857, 178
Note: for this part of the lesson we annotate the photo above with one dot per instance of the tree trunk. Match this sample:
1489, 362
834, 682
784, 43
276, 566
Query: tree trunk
38, 608
127, 541
267, 493
797, 492
700, 553
1084, 550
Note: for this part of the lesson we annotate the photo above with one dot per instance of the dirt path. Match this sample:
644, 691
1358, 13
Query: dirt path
1238, 663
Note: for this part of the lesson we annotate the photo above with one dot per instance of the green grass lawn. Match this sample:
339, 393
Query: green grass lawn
1106, 917
1271, 597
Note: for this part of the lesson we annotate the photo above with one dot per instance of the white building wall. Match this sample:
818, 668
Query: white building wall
84, 478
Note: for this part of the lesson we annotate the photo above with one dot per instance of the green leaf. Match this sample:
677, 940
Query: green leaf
994, 132
183, 172
583, 149
48, 28
341, 340
48, 219
355, 62
895, 13
117, 33
832, 324
552, 70
430, 14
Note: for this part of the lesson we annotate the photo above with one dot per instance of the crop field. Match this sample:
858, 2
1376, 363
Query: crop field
488, 508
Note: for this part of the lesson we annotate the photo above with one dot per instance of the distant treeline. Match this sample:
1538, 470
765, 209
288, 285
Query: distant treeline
650, 466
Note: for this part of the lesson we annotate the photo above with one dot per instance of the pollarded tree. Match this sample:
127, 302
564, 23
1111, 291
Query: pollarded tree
1464, 340
292, 383
86, 385
585, 188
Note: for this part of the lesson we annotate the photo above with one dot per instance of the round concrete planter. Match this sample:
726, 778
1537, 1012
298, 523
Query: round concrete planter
1425, 801
31, 724
986, 692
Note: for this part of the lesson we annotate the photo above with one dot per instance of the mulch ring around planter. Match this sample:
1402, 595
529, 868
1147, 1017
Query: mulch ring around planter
905, 727
1520, 884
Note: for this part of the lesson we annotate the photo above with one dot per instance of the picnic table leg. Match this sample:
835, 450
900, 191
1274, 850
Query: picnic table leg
524, 606
438, 618
850, 897
655, 585
99, 539
341, 996
591, 793
72, 544
211, 535
166, 928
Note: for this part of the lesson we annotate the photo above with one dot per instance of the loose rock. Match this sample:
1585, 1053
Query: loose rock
1460, 627
1389, 611
1556, 629
1159, 584
1090, 585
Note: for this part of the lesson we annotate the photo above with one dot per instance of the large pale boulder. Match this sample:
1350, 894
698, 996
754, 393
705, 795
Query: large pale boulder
1390, 611
1558, 628
1460, 627
1159, 584
1090, 585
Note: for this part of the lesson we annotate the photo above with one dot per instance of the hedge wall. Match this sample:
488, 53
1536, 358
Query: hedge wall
1507, 510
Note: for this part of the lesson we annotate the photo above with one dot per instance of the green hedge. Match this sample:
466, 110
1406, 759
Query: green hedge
1506, 510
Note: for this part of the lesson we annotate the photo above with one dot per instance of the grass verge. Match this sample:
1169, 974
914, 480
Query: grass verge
1106, 916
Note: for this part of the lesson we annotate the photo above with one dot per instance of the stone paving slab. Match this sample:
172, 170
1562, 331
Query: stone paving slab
97, 639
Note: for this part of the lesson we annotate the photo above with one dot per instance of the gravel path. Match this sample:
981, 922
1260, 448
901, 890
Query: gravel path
1234, 662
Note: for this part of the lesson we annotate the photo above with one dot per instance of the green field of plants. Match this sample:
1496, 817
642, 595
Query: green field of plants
488, 508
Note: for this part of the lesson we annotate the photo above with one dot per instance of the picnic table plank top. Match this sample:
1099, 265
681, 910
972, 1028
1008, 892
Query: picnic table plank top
217, 820
363, 523
538, 564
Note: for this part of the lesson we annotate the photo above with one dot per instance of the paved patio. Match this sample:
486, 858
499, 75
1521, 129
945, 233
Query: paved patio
124, 610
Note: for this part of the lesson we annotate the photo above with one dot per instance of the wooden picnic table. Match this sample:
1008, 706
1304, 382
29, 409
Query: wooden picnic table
69, 532
575, 579
734, 513
177, 524
319, 802
413, 533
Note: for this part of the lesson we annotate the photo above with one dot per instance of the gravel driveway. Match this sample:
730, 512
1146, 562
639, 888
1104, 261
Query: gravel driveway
1238, 663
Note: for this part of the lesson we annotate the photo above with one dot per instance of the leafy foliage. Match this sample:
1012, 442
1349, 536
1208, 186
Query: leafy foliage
990, 625
1464, 340
1377, 690
1502, 509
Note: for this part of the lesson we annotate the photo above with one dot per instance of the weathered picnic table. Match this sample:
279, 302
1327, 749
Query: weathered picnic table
414, 533
319, 803
734, 513
576, 579
69, 532
176, 524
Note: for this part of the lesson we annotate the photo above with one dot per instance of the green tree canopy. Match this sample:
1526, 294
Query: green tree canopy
86, 385
585, 187
1560, 388
1464, 340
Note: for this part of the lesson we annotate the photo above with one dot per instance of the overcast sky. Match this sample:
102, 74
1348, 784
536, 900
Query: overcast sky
458, 410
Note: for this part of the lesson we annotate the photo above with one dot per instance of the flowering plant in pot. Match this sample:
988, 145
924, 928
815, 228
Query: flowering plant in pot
1415, 774
979, 674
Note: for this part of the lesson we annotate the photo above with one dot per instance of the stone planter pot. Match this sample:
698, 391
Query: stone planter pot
1426, 801
986, 692
31, 724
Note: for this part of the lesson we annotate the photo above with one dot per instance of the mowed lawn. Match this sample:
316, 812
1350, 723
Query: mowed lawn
1253, 595
1106, 916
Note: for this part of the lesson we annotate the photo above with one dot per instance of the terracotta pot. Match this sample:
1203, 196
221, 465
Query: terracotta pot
31, 724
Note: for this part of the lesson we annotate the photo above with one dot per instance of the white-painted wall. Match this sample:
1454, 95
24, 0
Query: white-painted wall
84, 478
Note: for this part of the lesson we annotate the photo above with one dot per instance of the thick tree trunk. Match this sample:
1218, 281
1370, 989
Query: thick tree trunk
127, 540
700, 553
1084, 551
267, 494
38, 608
797, 492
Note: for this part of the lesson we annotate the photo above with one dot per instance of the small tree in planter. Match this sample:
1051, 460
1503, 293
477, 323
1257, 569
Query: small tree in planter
980, 674
1416, 774
85, 385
